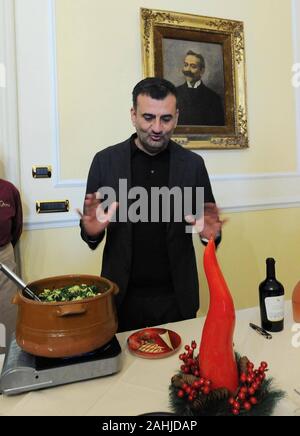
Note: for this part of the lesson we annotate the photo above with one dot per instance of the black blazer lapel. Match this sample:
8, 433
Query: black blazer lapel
176, 175
124, 162
124, 172
176, 165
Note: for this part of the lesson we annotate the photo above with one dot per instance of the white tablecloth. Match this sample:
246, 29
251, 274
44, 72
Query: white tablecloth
142, 385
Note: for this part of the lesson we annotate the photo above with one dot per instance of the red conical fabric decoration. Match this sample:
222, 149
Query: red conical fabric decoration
216, 357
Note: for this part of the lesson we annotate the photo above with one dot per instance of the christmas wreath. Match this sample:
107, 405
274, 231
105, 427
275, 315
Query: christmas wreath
192, 395
217, 381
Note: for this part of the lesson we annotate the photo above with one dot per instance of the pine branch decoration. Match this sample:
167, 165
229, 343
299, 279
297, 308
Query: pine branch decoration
216, 395
242, 364
179, 379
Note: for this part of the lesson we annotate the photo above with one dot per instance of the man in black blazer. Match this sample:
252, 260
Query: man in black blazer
153, 262
198, 104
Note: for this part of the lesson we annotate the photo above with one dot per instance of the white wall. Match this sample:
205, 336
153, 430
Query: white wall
70, 105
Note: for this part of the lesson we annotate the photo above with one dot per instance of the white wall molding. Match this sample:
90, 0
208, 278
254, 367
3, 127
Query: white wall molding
73, 222
52, 224
8, 93
58, 182
253, 177
57, 165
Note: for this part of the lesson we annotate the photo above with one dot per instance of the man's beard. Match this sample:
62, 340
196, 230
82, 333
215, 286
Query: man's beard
189, 74
151, 146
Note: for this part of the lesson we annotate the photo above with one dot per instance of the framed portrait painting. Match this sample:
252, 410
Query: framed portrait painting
205, 59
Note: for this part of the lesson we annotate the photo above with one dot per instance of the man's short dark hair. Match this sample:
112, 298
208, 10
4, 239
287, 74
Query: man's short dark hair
155, 88
199, 56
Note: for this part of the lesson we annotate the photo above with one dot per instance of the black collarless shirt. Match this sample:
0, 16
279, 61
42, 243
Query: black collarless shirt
150, 269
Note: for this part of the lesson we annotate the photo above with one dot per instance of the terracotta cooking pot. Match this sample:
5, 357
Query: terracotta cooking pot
65, 329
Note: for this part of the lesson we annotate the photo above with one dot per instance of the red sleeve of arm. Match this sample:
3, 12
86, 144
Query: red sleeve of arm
18, 219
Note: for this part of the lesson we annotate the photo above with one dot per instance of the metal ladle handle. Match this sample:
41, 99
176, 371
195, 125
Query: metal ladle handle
13, 277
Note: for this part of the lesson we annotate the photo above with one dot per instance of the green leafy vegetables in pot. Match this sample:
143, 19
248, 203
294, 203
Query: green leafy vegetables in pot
69, 293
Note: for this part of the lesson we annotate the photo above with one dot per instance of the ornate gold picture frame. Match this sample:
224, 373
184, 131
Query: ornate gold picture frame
205, 58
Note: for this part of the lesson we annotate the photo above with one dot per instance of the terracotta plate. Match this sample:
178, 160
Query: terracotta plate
154, 343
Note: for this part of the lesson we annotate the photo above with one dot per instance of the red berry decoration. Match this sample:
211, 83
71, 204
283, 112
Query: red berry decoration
250, 384
236, 405
247, 406
180, 393
251, 380
243, 378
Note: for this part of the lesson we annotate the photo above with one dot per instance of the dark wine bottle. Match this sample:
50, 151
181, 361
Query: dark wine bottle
271, 299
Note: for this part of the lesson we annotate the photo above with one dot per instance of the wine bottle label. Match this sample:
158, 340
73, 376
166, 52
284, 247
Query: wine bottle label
275, 308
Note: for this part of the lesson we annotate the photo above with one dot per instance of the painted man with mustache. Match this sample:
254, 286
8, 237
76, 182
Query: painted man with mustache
198, 104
